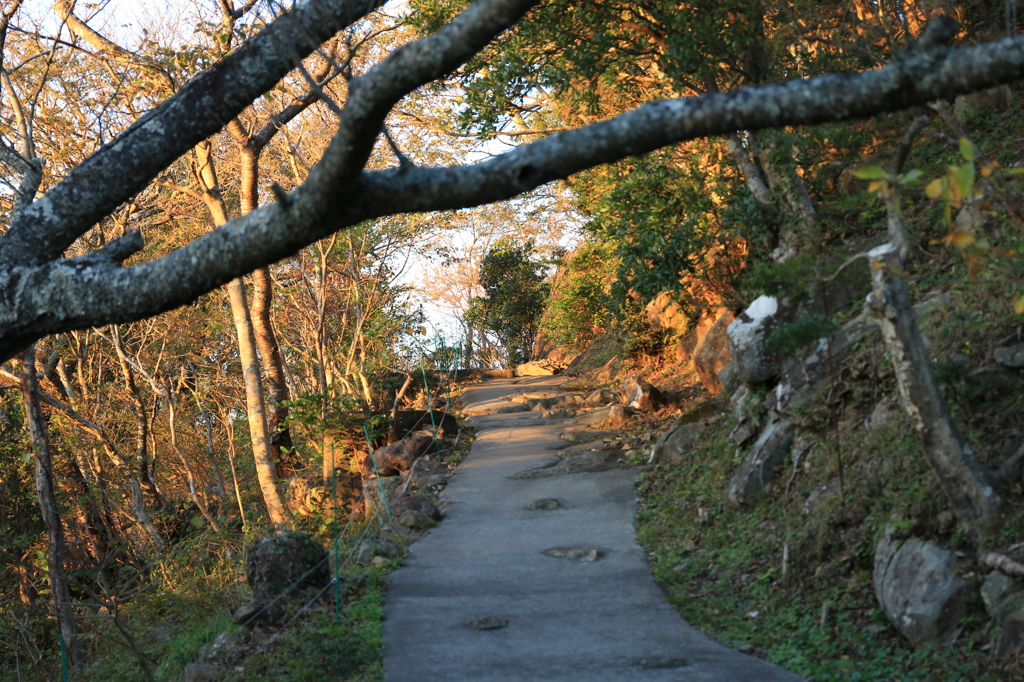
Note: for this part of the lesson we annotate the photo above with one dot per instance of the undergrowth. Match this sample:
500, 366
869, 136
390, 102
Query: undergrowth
790, 577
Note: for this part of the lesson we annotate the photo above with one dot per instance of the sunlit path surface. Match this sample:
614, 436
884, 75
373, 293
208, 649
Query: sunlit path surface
479, 599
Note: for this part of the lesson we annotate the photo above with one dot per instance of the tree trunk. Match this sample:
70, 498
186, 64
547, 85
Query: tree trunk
48, 507
229, 426
266, 340
787, 183
965, 483
751, 173
266, 471
273, 365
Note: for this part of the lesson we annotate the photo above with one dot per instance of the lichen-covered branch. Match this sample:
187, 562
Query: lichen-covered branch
967, 486
40, 295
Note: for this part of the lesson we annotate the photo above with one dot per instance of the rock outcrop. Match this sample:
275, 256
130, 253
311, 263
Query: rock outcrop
1010, 356
276, 564
711, 354
748, 336
769, 451
396, 458
918, 588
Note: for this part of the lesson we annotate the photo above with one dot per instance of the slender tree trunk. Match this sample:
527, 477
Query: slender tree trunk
48, 506
967, 486
273, 367
266, 340
752, 175
211, 455
266, 471
229, 426
197, 497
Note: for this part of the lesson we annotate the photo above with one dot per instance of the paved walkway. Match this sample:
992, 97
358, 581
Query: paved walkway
555, 617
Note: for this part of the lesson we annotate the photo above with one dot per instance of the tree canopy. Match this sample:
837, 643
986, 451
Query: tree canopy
514, 297
47, 292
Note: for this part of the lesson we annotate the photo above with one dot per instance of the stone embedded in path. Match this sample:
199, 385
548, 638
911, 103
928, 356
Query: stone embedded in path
544, 504
580, 554
613, 416
489, 623
584, 434
662, 663
579, 461
488, 409
510, 409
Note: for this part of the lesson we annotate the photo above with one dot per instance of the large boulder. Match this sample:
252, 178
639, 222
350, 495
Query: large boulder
276, 564
677, 440
769, 450
396, 458
665, 315
748, 336
675, 443
711, 354
918, 588
640, 395
802, 388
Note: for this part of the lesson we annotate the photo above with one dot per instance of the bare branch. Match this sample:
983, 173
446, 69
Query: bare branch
338, 193
200, 108
1002, 563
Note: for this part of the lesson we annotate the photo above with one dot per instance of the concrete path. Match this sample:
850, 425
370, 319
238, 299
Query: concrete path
556, 617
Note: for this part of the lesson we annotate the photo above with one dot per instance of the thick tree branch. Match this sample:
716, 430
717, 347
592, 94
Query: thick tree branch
124, 166
39, 299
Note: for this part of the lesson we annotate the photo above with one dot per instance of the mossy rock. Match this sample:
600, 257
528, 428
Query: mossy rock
285, 562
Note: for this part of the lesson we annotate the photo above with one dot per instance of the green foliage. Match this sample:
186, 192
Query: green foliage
20, 521
790, 338
726, 573
515, 292
657, 213
183, 648
579, 309
792, 279
320, 648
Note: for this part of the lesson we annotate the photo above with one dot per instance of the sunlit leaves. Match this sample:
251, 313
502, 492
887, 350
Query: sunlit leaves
871, 173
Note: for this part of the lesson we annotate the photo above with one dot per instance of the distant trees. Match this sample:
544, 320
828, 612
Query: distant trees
515, 293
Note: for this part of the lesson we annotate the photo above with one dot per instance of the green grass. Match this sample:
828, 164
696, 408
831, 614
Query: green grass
721, 573
323, 648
